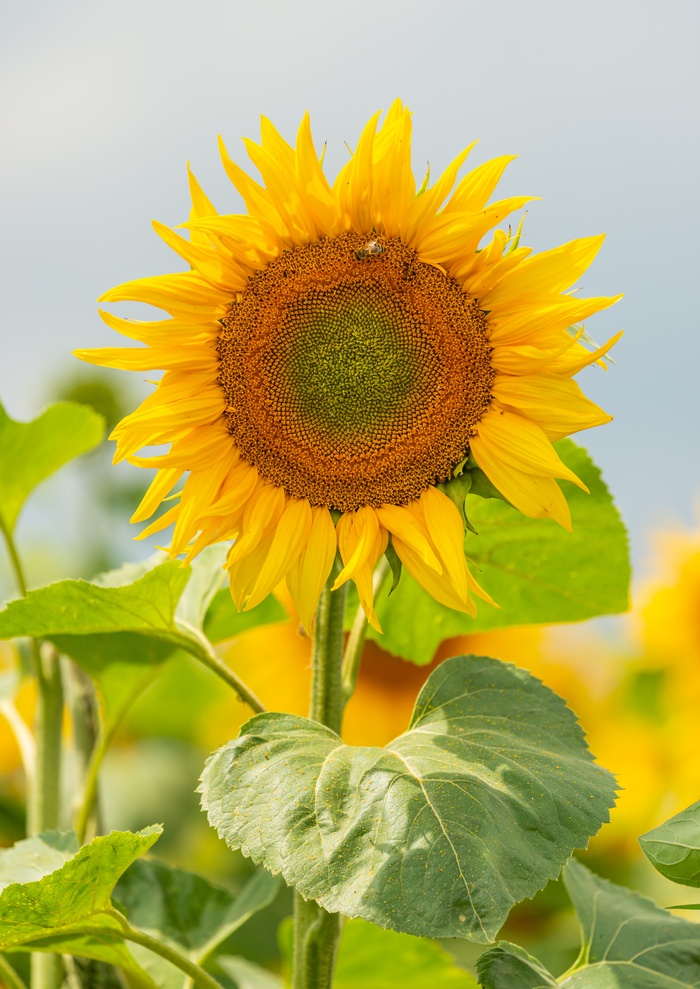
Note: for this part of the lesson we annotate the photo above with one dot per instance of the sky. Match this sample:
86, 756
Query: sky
102, 105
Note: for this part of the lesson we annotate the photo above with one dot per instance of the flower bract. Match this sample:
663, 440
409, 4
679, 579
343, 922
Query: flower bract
333, 356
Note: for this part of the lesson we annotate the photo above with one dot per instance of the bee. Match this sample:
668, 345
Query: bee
372, 247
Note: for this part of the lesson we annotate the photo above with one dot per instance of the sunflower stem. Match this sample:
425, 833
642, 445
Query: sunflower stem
317, 932
43, 797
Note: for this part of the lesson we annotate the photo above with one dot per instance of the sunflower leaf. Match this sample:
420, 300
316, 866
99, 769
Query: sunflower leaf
674, 847
627, 940
62, 432
186, 911
122, 626
66, 909
479, 803
536, 571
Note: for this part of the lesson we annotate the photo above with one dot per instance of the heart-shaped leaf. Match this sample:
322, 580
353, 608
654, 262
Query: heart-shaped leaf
474, 808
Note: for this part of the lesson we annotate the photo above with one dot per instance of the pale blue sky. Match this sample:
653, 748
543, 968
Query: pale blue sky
102, 104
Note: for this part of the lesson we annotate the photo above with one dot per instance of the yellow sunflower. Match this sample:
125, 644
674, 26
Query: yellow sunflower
336, 353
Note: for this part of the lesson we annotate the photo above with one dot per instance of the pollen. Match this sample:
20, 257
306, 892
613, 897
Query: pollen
354, 375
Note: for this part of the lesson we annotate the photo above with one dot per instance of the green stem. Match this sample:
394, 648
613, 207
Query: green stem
43, 803
86, 737
201, 649
352, 657
9, 976
90, 782
317, 932
185, 964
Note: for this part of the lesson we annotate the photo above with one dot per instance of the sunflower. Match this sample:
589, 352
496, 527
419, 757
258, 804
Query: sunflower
333, 356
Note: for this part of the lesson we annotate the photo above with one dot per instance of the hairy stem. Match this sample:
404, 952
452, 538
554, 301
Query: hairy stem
317, 932
86, 735
43, 799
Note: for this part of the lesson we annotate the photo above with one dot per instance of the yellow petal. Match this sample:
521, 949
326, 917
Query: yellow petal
256, 199
550, 271
535, 496
437, 585
519, 444
161, 485
554, 402
393, 187
238, 488
577, 358
262, 513
401, 522
185, 294
291, 536
312, 183
308, 575
474, 190
219, 270
357, 532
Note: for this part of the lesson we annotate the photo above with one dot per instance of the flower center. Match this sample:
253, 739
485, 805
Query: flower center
354, 374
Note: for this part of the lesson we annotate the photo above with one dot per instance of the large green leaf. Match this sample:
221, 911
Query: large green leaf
32, 451
67, 909
627, 941
674, 847
474, 808
536, 571
186, 911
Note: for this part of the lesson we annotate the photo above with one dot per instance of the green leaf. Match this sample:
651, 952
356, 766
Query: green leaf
186, 911
374, 958
32, 451
34, 858
67, 910
627, 939
674, 847
536, 571
508, 966
123, 625
474, 808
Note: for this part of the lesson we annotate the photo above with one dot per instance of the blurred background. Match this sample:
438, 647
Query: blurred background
103, 104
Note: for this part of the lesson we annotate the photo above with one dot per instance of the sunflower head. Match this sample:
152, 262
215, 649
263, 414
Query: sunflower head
334, 356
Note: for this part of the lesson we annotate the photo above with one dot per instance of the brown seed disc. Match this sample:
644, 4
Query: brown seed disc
354, 374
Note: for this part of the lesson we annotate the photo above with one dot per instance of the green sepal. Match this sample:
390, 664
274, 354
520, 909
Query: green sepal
480, 484
457, 489
392, 558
